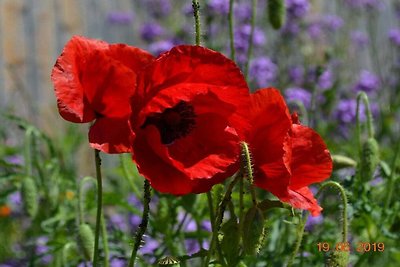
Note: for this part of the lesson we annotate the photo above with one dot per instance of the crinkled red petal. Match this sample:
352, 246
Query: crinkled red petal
66, 77
311, 161
303, 198
111, 135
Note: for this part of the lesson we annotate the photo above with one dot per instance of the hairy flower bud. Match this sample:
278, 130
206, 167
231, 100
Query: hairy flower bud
29, 196
253, 231
276, 13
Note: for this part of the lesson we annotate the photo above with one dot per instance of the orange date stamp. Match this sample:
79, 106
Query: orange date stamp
360, 247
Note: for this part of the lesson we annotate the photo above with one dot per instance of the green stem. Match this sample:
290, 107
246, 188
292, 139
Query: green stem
220, 213
250, 47
104, 238
127, 176
300, 233
211, 208
370, 127
344, 203
196, 14
143, 224
81, 197
99, 206
248, 169
391, 177
231, 34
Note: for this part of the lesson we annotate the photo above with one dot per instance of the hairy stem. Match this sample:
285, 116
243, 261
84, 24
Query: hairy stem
99, 206
143, 224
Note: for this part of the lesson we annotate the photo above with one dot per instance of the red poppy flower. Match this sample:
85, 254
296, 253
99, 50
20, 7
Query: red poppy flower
188, 118
94, 80
288, 157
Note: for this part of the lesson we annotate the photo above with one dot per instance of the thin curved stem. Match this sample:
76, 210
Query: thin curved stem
370, 127
99, 206
143, 224
344, 203
231, 34
391, 177
104, 238
196, 14
219, 217
300, 233
250, 46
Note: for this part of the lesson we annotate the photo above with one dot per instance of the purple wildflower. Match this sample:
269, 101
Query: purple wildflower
219, 6
14, 160
120, 17
118, 221
263, 71
315, 30
313, 221
193, 246
376, 181
242, 11
298, 94
159, 8
206, 225
150, 31
394, 36
291, 28
333, 22
149, 246
346, 111
242, 36
325, 80
117, 262
367, 82
42, 249
297, 8
159, 47
359, 39
296, 74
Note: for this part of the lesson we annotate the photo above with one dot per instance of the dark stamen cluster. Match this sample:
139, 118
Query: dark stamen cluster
173, 123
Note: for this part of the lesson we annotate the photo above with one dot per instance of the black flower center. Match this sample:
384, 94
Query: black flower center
173, 123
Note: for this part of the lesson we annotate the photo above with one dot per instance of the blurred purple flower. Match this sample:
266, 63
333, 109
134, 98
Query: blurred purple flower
297, 8
346, 111
376, 181
149, 245
151, 30
192, 245
206, 225
120, 17
394, 36
134, 221
325, 80
14, 160
367, 82
242, 36
117, 262
218, 6
15, 199
313, 221
263, 71
332, 22
359, 39
315, 30
242, 11
298, 94
159, 47
296, 74
42, 249
369, 4
291, 27
159, 8
118, 221
187, 9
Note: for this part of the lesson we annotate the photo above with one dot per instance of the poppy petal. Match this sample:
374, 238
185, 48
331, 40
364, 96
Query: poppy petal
271, 122
303, 198
310, 159
111, 135
66, 77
